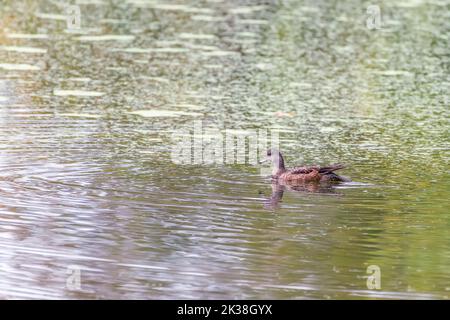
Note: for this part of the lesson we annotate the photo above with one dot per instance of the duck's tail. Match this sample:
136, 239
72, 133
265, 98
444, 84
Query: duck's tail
331, 168
333, 177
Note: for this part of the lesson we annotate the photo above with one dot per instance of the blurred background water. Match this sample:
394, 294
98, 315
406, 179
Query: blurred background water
87, 180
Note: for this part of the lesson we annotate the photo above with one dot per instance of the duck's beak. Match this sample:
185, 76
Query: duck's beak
263, 161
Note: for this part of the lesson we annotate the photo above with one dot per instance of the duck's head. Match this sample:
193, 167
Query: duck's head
274, 156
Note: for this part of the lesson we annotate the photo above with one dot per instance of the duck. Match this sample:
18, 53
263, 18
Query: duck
303, 174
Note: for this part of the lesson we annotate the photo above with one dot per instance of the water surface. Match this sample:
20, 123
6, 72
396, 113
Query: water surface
87, 118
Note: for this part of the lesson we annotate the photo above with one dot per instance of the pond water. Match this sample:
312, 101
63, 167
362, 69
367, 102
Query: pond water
89, 188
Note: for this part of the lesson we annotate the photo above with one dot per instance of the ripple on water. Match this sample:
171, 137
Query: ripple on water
106, 37
23, 49
19, 67
151, 50
164, 113
35, 36
77, 93
91, 182
51, 16
197, 36
81, 115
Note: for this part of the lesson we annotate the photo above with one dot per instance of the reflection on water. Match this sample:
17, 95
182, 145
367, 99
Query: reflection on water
278, 190
87, 181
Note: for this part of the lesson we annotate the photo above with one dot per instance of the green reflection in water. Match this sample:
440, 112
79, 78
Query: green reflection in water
87, 180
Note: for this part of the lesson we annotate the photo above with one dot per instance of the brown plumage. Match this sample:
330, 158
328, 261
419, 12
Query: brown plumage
303, 174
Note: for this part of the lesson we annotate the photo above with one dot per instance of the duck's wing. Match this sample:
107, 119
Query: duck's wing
322, 170
304, 169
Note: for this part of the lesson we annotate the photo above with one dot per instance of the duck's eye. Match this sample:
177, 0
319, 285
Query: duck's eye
269, 153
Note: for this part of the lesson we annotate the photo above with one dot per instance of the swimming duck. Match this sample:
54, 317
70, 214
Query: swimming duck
304, 174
